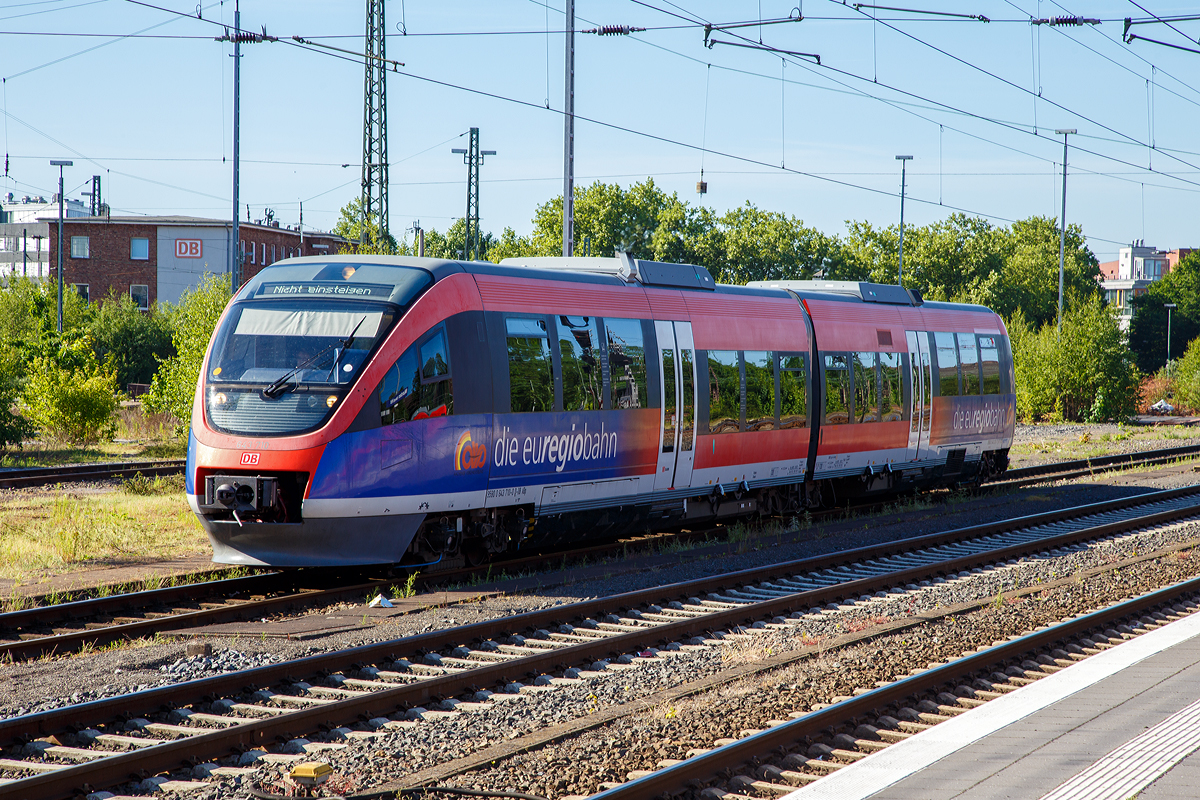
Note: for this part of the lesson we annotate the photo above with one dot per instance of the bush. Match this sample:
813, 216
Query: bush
1187, 376
77, 405
192, 322
129, 341
1087, 374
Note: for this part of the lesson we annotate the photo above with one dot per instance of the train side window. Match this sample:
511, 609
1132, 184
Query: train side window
891, 394
724, 392
437, 391
947, 363
687, 419
968, 358
837, 389
793, 400
399, 392
866, 388
989, 361
627, 363
760, 391
579, 348
530, 368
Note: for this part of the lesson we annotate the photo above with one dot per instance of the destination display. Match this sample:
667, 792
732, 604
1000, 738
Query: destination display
325, 289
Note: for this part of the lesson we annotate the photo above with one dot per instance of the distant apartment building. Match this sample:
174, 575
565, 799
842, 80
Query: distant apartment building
1136, 267
151, 259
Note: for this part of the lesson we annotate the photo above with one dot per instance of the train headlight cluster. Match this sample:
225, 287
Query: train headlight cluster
219, 399
331, 400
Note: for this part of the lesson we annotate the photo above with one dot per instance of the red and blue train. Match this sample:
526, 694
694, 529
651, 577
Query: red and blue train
388, 410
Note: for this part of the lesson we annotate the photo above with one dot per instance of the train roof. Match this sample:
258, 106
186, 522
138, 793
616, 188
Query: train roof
399, 279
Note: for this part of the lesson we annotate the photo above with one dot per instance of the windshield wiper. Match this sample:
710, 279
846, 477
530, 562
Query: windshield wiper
344, 344
284, 383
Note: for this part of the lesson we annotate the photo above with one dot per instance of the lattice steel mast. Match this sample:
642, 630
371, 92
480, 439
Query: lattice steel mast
473, 157
375, 164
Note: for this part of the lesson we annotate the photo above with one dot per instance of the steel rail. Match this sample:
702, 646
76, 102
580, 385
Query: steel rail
168, 755
730, 756
42, 476
1060, 470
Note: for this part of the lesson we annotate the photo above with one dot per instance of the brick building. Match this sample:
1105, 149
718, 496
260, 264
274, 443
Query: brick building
148, 258
1136, 267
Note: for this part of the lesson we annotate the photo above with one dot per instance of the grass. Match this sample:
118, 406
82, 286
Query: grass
139, 436
41, 534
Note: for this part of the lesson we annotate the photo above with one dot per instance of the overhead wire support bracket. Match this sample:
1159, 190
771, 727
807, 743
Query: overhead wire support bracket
765, 48
980, 17
1131, 37
794, 16
365, 56
246, 37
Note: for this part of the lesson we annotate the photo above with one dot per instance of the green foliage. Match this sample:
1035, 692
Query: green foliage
73, 404
192, 322
1148, 331
1087, 374
14, 428
351, 224
29, 319
130, 341
1187, 376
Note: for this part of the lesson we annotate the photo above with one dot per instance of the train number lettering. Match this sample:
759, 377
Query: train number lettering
250, 459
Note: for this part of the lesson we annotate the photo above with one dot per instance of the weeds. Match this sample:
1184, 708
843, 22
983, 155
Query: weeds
144, 486
410, 586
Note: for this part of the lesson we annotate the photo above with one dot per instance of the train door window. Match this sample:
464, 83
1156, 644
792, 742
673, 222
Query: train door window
668, 377
530, 368
947, 364
687, 417
838, 396
437, 395
724, 392
989, 362
968, 359
627, 363
891, 387
400, 389
579, 350
793, 400
866, 388
760, 391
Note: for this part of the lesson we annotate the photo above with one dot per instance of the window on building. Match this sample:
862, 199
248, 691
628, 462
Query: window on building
866, 388
724, 392
947, 361
82, 290
793, 402
760, 391
891, 395
627, 363
579, 349
253, 253
837, 389
80, 248
273, 259
530, 368
139, 249
140, 293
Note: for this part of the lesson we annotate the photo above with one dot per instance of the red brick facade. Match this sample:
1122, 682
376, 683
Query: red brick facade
109, 265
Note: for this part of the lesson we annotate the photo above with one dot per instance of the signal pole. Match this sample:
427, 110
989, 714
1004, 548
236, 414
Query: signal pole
569, 137
60, 165
1062, 233
903, 165
375, 164
473, 158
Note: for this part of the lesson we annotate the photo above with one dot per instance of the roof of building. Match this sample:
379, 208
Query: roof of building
187, 221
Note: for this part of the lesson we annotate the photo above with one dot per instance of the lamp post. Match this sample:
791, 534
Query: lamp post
1062, 233
1168, 307
903, 165
60, 165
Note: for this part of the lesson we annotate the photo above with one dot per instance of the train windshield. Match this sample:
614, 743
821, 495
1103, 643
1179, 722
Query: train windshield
282, 366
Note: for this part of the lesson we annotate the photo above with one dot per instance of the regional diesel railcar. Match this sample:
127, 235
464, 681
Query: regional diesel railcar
364, 409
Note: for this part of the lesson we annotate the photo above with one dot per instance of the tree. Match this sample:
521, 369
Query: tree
1148, 330
350, 227
192, 322
129, 341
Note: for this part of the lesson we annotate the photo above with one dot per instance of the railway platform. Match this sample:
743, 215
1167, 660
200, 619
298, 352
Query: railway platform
1123, 723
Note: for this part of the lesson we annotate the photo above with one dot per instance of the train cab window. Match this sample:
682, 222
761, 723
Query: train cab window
579, 352
989, 361
947, 364
437, 395
724, 392
891, 388
968, 359
838, 395
530, 367
627, 363
760, 391
400, 389
793, 400
866, 388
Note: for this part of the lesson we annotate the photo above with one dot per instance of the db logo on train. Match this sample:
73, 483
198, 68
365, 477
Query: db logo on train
469, 455
250, 459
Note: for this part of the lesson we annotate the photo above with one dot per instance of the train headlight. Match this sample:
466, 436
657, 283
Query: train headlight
331, 400
219, 399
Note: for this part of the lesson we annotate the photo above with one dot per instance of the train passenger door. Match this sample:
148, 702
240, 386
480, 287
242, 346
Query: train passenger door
921, 393
677, 429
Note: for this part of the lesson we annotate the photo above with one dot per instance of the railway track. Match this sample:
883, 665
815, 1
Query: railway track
102, 743
811, 745
1065, 470
48, 476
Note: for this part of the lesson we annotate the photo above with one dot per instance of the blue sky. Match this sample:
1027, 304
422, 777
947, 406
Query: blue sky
153, 115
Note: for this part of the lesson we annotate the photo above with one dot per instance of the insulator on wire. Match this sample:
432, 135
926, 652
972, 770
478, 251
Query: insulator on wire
1066, 21
614, 30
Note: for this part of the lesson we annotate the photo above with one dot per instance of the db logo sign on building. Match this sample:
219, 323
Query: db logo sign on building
189, 248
